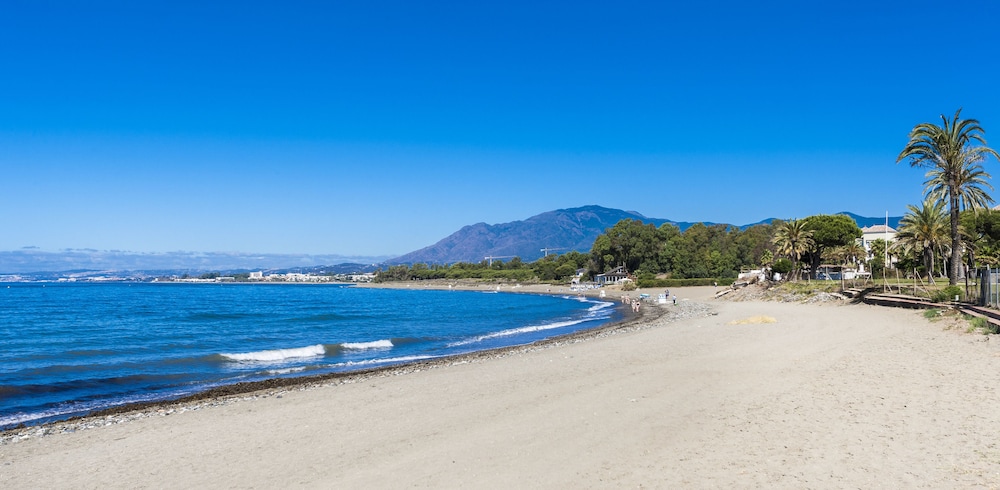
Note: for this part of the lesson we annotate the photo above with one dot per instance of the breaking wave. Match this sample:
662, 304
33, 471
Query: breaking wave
377, 344
277, 354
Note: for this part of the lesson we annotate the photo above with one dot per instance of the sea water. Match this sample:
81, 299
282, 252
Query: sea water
67, 349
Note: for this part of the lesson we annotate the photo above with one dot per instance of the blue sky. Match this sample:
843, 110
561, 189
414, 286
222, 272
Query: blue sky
377, 128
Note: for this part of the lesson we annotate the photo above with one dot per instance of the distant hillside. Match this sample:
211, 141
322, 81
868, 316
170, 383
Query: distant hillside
863, 221
30, 260
559, 231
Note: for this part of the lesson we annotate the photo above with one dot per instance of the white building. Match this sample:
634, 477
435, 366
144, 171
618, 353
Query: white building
616, 276
877, 232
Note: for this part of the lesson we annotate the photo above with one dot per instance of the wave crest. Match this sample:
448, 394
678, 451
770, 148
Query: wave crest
377, 344
277, 354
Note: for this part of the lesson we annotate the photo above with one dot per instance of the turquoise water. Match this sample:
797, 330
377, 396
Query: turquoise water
68, 349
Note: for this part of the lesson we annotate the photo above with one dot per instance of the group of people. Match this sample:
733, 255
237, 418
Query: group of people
635, 303
626, 299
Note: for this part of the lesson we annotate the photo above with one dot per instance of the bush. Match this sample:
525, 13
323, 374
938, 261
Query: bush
947, 294
628, 286
782, 266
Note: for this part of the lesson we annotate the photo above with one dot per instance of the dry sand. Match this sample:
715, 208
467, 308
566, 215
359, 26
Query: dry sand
824, 397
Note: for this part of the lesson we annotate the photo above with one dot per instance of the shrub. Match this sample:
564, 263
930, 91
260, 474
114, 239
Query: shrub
782, 266
979, 323
628, 286
947, 294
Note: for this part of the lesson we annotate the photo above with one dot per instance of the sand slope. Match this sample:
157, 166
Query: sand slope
827, 397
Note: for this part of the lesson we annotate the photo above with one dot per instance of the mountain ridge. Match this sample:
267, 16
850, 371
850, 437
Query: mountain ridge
561, 230
31, 260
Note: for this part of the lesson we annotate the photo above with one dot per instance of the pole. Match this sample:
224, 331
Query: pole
885, 258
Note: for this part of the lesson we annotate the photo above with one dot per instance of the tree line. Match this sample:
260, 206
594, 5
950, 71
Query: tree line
665, 252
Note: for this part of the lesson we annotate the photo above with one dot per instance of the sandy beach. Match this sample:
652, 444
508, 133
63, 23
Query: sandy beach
826, 396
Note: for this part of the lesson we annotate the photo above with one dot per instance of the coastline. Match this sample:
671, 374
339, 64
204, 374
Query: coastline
269, 387
826, 396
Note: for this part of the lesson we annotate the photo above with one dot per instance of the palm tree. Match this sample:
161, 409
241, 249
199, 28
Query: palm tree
924, 230
970, 179
851, 254
950, 153
793, 239
989, 254
878, 252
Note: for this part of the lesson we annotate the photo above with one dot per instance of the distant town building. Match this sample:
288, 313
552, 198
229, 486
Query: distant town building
369, 277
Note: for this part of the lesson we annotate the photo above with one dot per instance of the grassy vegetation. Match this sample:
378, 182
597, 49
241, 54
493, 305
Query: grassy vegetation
976, 323
809, 287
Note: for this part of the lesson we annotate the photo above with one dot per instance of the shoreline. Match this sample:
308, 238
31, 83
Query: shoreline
819, 396
271, 386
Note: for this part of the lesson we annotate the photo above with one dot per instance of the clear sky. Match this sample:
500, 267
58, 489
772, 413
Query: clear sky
377, 128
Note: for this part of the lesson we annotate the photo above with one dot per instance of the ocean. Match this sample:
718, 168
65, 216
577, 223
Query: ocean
67, 349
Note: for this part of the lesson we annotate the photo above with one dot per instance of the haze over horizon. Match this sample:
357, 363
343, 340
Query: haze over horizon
378, 129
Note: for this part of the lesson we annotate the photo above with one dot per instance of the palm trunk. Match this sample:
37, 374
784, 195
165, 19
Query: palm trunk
956, 240
929, 258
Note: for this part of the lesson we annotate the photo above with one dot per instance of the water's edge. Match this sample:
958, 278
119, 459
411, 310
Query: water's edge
243, 389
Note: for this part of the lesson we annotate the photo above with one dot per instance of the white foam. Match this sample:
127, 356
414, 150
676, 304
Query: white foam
286, 371
377, 344
599, 306
598, 311
385, 361
277, 354
517, 331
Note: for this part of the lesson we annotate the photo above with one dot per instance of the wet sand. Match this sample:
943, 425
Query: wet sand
826, 396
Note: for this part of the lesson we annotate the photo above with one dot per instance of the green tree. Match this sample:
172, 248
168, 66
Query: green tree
628, 242
829, 231
851, 254
692, 250
782, 266
952, 153
751, 243
981, 235
766, 258
924, 230
668, 234
792, 239
565, 271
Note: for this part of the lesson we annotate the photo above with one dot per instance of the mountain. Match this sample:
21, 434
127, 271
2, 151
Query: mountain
560, 231
863, 221
31, 260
